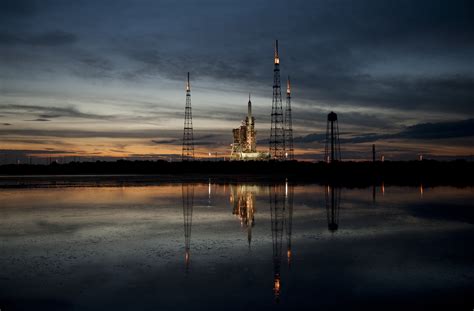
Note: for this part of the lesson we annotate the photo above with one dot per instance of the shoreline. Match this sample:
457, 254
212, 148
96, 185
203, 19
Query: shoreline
344, 174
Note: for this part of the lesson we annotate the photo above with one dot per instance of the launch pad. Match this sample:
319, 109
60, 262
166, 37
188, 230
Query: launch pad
244, 146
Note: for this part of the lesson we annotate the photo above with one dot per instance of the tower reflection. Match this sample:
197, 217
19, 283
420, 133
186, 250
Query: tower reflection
289, 192
277, 210
242, 198
188, 201
333, 199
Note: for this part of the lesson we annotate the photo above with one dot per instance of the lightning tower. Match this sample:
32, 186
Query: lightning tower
188, 138
277, 131
289, 154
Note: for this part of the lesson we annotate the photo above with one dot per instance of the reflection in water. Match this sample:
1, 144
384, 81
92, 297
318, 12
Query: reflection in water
333, 200
188, 200
421, 191
69, 241
373, 193
289, 192
209, 193
277, 209
242, 198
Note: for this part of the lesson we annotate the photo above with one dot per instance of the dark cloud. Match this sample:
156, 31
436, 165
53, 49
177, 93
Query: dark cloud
39, 120
66, 133
167, 141
6, 124
49, 112
53, 38
441, 130
26, 152
17, 8
93, 66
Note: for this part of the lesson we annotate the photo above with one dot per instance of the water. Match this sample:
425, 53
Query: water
236, 247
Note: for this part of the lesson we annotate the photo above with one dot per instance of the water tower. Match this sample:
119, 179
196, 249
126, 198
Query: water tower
332, 152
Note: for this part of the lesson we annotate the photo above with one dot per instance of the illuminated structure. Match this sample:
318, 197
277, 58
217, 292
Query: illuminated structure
188, 204
277, 209
289, 152
242, 198
277, 130
188, 138
332, 151
244, 146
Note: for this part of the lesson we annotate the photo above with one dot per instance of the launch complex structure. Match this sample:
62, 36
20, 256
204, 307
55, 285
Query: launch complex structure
244, 145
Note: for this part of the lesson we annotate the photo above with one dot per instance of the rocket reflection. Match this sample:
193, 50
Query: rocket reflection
242, 198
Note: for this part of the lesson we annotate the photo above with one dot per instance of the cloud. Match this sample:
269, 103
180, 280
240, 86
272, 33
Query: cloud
68, 133
51, 39
39, 120
6, 124
45, 112
26, 152
17, 8
440, 130
167, 141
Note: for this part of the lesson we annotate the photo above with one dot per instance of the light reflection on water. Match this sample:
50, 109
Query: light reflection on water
258, 245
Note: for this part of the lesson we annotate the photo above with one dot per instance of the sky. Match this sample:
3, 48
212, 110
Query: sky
106, 79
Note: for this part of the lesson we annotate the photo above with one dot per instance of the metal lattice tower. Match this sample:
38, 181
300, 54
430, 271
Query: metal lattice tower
188, 138
332, 151
277, 209
277, 131
188, 204
289, 153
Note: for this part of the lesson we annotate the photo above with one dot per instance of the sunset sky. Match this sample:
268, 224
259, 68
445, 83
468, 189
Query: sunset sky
107, 78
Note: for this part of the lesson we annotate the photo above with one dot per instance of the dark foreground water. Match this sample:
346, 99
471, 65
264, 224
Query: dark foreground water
236, 247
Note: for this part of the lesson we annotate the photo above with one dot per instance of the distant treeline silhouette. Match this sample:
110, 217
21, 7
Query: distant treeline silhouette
426, 172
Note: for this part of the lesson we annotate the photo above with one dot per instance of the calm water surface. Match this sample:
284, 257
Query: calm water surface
236, 247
